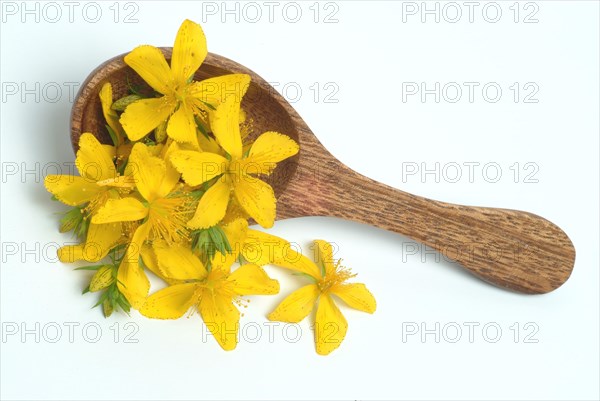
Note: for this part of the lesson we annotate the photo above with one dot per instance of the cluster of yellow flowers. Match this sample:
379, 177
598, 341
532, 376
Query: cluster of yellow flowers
173, 195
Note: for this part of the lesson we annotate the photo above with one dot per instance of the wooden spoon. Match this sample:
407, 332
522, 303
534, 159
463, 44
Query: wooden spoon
511, 249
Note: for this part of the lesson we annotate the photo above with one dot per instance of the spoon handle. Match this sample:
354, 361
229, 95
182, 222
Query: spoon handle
508, 248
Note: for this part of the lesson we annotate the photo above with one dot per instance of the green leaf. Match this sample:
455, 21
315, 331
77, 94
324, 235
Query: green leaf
71, 219
95, 267
308, 276
220, 239
122, 302
225, 240
75, 219
82, 228
210, 106
113, 135
322, 265
133, 89
201, 127
103, 298
213, 235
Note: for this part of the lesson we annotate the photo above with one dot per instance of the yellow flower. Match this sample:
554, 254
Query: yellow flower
98, 182
214, 294
182, 99
234, 173
164, 214
330, 324
101, 238
98, 176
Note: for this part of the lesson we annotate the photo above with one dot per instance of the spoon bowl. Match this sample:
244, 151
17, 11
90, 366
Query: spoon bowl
511, 249
86, 115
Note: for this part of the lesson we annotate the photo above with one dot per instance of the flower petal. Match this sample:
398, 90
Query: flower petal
93, 161
356, 295
71, 190
209, 144
144, 115
182, 127
111, 116
269, 149
235, 231
250, 279
221, 318
212, 206
132, 280
172, 176
297, 305
330, 326
149, 172
150, 63
124, 209
189, 51
151, 263
256, 197
101, 238
171, 302
178, 262
221, 264
214, 91
226, 128
324, 256
261, 248
198, 167
234, 212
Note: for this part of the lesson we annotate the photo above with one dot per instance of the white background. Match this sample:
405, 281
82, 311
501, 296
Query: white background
367, 54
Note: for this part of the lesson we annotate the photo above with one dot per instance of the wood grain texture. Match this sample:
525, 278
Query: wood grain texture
511, 249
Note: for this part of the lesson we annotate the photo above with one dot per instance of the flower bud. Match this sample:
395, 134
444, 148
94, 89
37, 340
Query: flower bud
102, 279
107, 308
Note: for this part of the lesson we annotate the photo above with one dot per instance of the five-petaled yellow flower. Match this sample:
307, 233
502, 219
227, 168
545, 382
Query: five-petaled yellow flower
183, 99
330, 279
234, 174
214, 294
98, 182
161, 208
